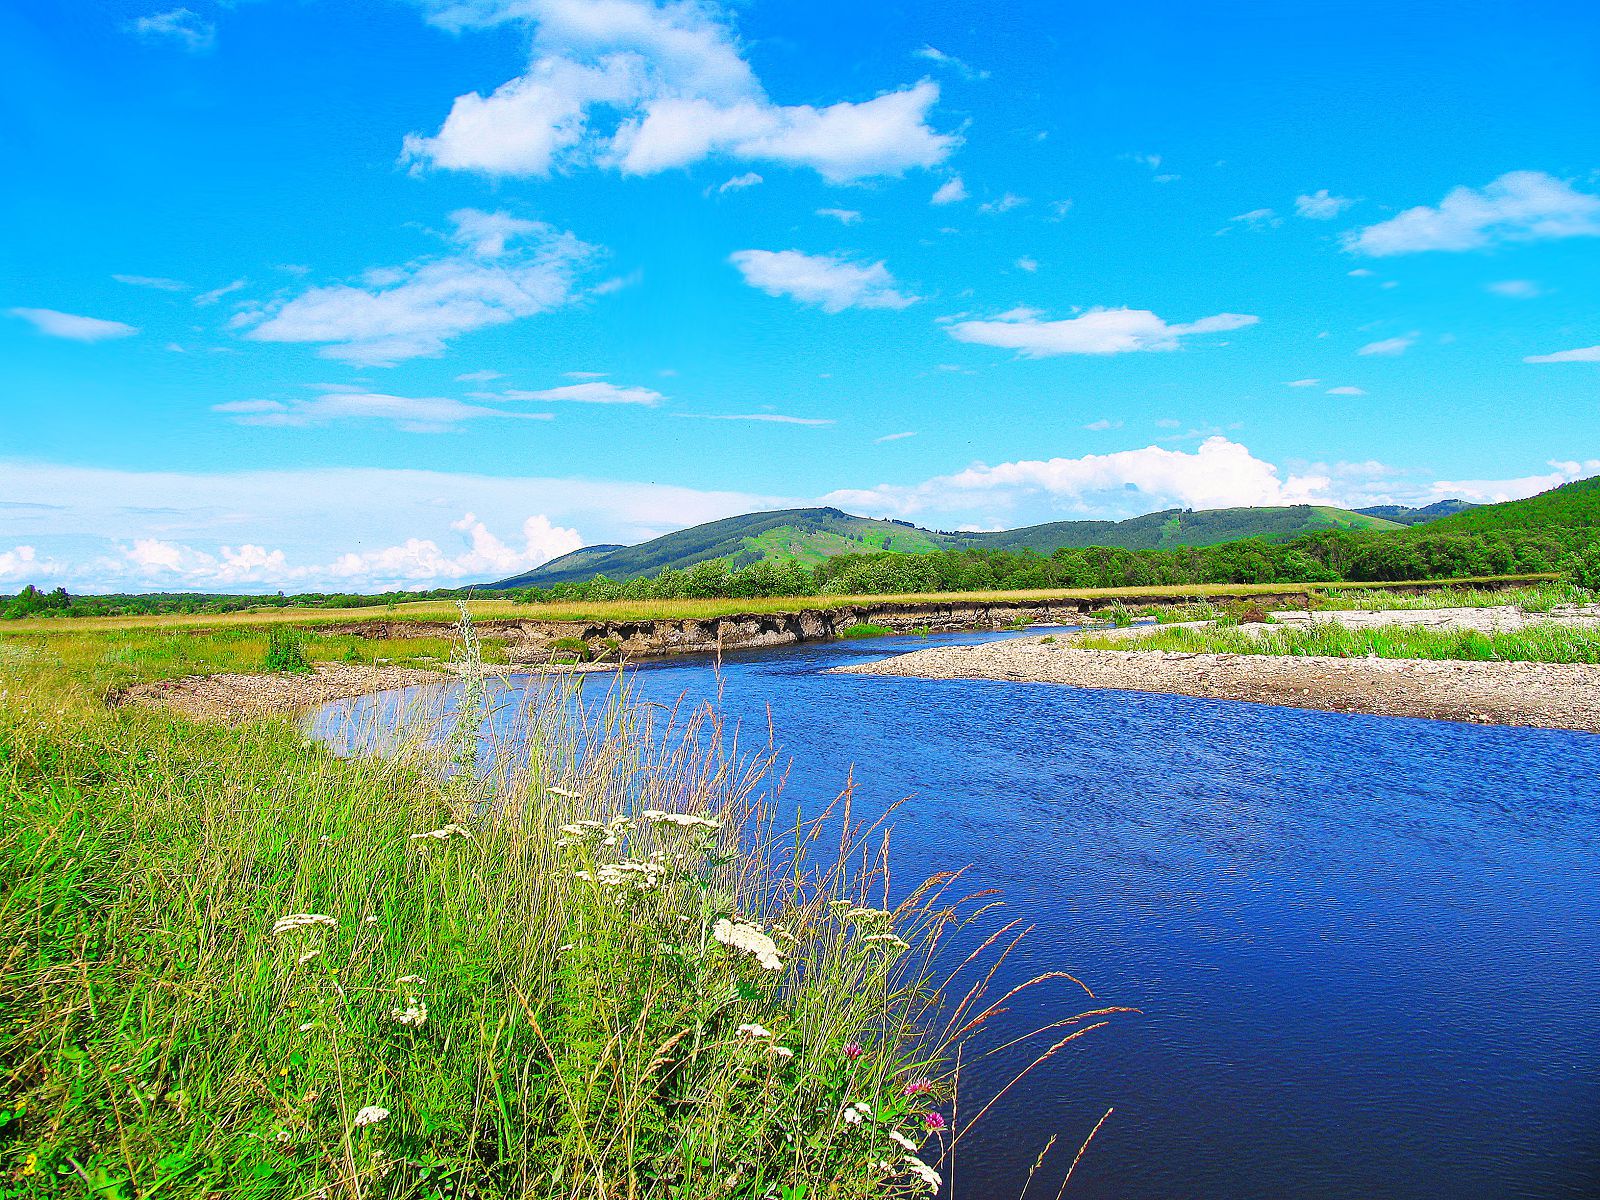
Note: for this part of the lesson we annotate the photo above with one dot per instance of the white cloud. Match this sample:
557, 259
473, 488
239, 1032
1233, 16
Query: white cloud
1520, 206
1217, 474
831, 282
1584, 354
950, 60
413, 414
1029, 265
845, 216
1059, 209
188, 29
413, 311
1389, 347
1321, 206
895, 437
765, 418
951, 191
1097, 331
739, 182
1103, 424
1361, 273
646, 88
1257, 219
594, 393
211, 297
1004, 204
1346, 390
22, 564
479, 377
1300, 383
1495, 491
387, 520
152, 281
72, 327
1515, 289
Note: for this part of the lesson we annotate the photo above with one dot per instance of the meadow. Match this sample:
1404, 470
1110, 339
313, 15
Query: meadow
234, 964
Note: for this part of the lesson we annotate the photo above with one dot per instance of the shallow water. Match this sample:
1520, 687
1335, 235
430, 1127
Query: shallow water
1367, 949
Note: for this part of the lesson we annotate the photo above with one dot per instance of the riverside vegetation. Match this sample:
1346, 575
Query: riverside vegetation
233, 964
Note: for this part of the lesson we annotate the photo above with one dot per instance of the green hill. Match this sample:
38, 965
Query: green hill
1401, 514
810, 535
1570, 506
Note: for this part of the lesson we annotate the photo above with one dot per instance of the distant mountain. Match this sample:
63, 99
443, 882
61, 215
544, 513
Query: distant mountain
1402, 515
809, 535
1569, 506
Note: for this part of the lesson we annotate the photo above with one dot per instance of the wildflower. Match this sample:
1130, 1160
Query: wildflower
680, 820
901, 1140
411, 979
443, 834
309, 955
867, 914
283, 1135
307, 1026
853, 1051
917, 1087
751, 940
369, 920
933, 1120
840, 905
924, 1172
854, 1114
888, 941
568, 946
556, 791
783, 1052
753, 1031
371, 1115
414, 1015
299, 920
30, 1165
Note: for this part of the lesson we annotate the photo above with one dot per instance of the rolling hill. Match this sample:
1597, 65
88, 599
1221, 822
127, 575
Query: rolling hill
1402, 515
809, 535
1572, 505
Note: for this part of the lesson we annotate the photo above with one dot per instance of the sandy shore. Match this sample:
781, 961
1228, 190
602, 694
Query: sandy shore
234, 698
1544, 695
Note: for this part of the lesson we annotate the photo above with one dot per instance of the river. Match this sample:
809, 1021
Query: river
1366, 949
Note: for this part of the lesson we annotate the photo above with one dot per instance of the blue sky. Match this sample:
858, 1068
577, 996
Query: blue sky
310, 293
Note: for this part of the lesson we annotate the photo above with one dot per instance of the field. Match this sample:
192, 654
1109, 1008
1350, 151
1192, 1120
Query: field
233, 965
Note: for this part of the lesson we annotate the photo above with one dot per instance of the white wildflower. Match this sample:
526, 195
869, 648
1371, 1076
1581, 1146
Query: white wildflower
308, 1026
445, 833
888, 940
414, 1015
854, 1114
299, 920
411, 979
902, 1140
371, 1115
924, 1172
369, 920
680, 820
309, 955
754, 1031
751, 940
867, 914
557, 791
783, 1052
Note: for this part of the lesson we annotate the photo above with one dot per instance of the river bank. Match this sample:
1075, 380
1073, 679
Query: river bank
233, 697
1541, 695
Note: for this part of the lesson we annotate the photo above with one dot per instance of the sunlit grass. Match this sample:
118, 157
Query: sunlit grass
234, 965
1544, 642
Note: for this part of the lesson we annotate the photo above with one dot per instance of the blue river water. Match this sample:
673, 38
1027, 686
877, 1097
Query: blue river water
1366, 950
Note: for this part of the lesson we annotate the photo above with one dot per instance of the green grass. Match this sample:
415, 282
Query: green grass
865, 629
543, 1008
1537, 643
1539, 598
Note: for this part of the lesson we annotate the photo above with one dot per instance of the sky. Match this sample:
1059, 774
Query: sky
311, 294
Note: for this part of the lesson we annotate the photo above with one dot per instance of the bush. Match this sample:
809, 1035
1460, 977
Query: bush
570, 650
1583, 569
865, 630
284, 651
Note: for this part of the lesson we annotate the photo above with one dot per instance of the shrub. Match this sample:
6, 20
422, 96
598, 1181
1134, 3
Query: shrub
284, 651
570, 650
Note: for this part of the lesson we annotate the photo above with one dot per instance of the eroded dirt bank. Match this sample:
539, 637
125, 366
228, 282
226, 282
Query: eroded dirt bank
1543, 695
236, 697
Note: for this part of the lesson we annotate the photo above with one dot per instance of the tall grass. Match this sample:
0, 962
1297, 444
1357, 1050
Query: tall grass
1537, 598
1543, 642
232, 964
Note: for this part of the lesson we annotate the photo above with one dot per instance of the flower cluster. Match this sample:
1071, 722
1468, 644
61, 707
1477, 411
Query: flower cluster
300, 920
742, 936
632, 874
445, 833
657, 816
580, 833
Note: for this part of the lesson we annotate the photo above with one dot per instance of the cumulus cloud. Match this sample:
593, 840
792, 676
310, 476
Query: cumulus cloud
1321, 205
80, 522
832, 283
644, 88
180, 25
1097, 331
412, 414
503, 268
593, 393
72, 327
1584, 354
1495, 491
1520, 206
22, 564
950, 191
1389, 347
1218, 474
